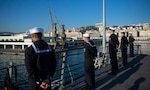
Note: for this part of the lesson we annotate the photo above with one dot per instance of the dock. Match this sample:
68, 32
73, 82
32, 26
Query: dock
133, 76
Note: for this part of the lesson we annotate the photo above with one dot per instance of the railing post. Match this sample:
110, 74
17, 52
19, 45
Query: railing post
13, 46
62, 71
10, 69
22, 47
70, 72
139, 49
4, 46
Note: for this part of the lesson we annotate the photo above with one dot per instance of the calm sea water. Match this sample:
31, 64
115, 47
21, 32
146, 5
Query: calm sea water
75, 58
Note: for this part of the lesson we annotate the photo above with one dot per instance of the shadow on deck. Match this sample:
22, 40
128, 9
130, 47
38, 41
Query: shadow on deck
130, 77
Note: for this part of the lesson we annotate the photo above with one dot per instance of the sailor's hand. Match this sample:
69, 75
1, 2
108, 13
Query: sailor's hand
94, 59
44, 85
117, 46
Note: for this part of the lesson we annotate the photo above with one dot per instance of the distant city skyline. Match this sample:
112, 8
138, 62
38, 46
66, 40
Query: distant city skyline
21, 15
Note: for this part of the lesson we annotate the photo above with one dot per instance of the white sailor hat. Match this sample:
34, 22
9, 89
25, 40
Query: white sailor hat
36, 30
122, 31
86, 35
111, 28
130, 32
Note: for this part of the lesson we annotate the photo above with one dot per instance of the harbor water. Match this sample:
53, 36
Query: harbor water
75, 58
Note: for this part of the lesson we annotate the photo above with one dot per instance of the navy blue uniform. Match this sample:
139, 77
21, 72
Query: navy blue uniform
113, 44
123, 47
131, 40
90, 54
40, 62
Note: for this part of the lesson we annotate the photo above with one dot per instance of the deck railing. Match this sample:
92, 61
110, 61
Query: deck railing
65, 72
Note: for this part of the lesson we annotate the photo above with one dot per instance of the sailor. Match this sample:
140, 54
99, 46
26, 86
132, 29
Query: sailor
113, 49
40, 61
123, 47
90, 54
131, 41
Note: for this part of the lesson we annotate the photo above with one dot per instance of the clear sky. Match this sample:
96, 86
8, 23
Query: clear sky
21, 15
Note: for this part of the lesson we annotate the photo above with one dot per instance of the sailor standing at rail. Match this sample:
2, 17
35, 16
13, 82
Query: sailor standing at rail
90, 54
123, 47
40, 62
131, 41
113, 49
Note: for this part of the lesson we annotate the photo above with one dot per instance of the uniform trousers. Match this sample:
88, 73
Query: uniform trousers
124, 57
114, 62
90, 79
131, 50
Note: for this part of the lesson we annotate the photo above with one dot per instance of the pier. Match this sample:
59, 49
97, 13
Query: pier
14, 45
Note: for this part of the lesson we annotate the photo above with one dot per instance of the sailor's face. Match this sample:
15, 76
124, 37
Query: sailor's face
32, 37
122, 34
109, 31
84, 38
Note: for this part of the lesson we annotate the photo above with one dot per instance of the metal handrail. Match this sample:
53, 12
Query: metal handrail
58, 70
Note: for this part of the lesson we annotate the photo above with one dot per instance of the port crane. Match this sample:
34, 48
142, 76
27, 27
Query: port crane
54, 29
51, 14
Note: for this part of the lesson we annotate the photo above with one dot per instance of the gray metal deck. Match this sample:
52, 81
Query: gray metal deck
134, 76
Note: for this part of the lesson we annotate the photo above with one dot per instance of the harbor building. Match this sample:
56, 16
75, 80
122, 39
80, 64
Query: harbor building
141, 32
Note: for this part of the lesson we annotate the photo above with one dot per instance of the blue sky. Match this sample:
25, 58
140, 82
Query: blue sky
21, 15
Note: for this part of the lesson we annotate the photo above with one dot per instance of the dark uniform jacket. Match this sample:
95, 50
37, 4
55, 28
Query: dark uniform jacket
131, 39
113, 43
90, 54
124, 43
40, 61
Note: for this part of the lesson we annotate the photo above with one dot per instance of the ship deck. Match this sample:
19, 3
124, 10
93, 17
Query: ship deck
133, 76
